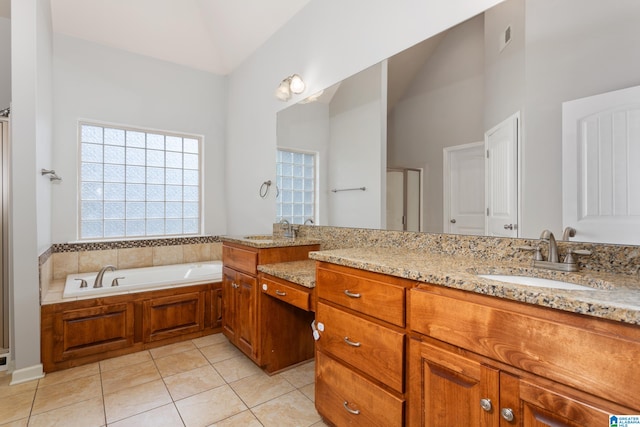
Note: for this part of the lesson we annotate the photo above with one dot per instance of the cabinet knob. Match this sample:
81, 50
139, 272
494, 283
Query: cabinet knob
507, 414
349, 410
485, 404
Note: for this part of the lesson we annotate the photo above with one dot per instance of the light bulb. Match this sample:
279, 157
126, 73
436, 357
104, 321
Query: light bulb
296, 84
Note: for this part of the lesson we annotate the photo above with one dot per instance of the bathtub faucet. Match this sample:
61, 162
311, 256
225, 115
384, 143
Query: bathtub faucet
98, 282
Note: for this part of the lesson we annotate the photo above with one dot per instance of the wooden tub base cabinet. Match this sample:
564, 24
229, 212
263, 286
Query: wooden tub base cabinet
85, 331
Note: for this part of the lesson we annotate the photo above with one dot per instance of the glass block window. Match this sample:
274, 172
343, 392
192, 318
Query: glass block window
138, 183
296, 180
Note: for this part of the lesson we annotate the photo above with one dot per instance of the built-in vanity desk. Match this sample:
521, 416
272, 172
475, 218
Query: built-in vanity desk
268, 317
474, 351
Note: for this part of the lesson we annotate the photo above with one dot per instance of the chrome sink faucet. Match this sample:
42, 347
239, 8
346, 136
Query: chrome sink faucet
288, 232
553, 246
98, 282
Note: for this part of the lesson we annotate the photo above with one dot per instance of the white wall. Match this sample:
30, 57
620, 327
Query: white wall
31, 124
95, 82
325, 42
355, 149
574, 48
5, 62
443, 107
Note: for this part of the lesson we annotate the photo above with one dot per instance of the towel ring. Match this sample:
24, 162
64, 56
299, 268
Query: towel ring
264, 189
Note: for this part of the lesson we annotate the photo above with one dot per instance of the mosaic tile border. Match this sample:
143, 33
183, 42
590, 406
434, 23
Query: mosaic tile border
123, 244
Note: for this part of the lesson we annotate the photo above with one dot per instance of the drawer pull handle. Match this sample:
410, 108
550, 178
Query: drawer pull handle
350, 294
349, 410
351, 343
280, 293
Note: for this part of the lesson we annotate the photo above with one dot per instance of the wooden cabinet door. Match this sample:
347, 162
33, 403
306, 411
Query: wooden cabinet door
451, 389
170, 316
229, 309
216, 306
246, 304
547, 407
85, 331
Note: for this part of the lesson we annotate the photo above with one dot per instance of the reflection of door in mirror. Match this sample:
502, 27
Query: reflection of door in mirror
404, 199
600, 156
501, 189
463, 192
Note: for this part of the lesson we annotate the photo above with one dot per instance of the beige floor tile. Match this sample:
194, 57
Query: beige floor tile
210, 340
237, 368
221, 351
170, 349
10, 390
118, 379
124, 361
164, 416
292, 409
310, 391
193, 382
71, 374
20, 423
320, 424
67, 393
260, 388
243, 419
16, 406
135, 400
181, 362
300, 376
89, 413
209, 407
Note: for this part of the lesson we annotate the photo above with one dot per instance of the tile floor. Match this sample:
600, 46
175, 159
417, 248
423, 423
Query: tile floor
201, 382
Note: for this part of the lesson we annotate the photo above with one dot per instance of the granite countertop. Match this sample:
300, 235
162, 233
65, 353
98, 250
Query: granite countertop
299, 272
269, 241
614, 297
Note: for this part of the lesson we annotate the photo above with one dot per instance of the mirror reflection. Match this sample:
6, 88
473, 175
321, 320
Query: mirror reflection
414, 130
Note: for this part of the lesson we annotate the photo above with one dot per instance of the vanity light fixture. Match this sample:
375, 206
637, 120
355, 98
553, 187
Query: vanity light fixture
292, 84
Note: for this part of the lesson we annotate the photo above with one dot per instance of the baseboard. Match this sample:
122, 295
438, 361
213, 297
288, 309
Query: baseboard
27, 374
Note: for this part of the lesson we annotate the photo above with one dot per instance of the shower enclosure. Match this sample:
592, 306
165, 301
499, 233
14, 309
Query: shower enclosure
4, 238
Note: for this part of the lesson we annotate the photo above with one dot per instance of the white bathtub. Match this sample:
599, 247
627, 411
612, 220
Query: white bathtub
142, 279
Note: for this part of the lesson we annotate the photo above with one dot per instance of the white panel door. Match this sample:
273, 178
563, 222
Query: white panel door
501, 188
464, 211
601, 166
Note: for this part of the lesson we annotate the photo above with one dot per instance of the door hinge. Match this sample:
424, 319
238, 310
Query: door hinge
487, 154
487, 211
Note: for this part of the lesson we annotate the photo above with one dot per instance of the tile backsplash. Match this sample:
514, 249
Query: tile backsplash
71, 258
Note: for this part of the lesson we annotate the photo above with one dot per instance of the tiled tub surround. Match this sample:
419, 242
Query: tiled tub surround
64, 259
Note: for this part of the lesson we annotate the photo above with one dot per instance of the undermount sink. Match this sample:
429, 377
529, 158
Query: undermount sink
259, 237
536, 281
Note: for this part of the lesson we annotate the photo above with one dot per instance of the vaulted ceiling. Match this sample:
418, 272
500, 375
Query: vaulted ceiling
210, 35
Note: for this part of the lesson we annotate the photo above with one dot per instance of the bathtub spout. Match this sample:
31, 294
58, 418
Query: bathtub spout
98, 282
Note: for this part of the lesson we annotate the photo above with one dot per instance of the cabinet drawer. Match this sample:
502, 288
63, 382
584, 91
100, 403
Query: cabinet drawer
374, 349
240, 259
585, 353
346, 398
285, 292
350, 288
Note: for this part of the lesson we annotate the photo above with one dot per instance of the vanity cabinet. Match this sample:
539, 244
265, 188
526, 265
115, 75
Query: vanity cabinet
243, 323
85, 331
360, 372
478, 360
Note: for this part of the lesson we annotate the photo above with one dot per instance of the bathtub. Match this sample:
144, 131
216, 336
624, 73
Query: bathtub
142, 279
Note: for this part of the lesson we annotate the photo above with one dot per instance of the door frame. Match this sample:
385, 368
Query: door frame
446, 181
404, 196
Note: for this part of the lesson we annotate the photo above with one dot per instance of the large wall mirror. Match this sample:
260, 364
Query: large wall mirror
407, 124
